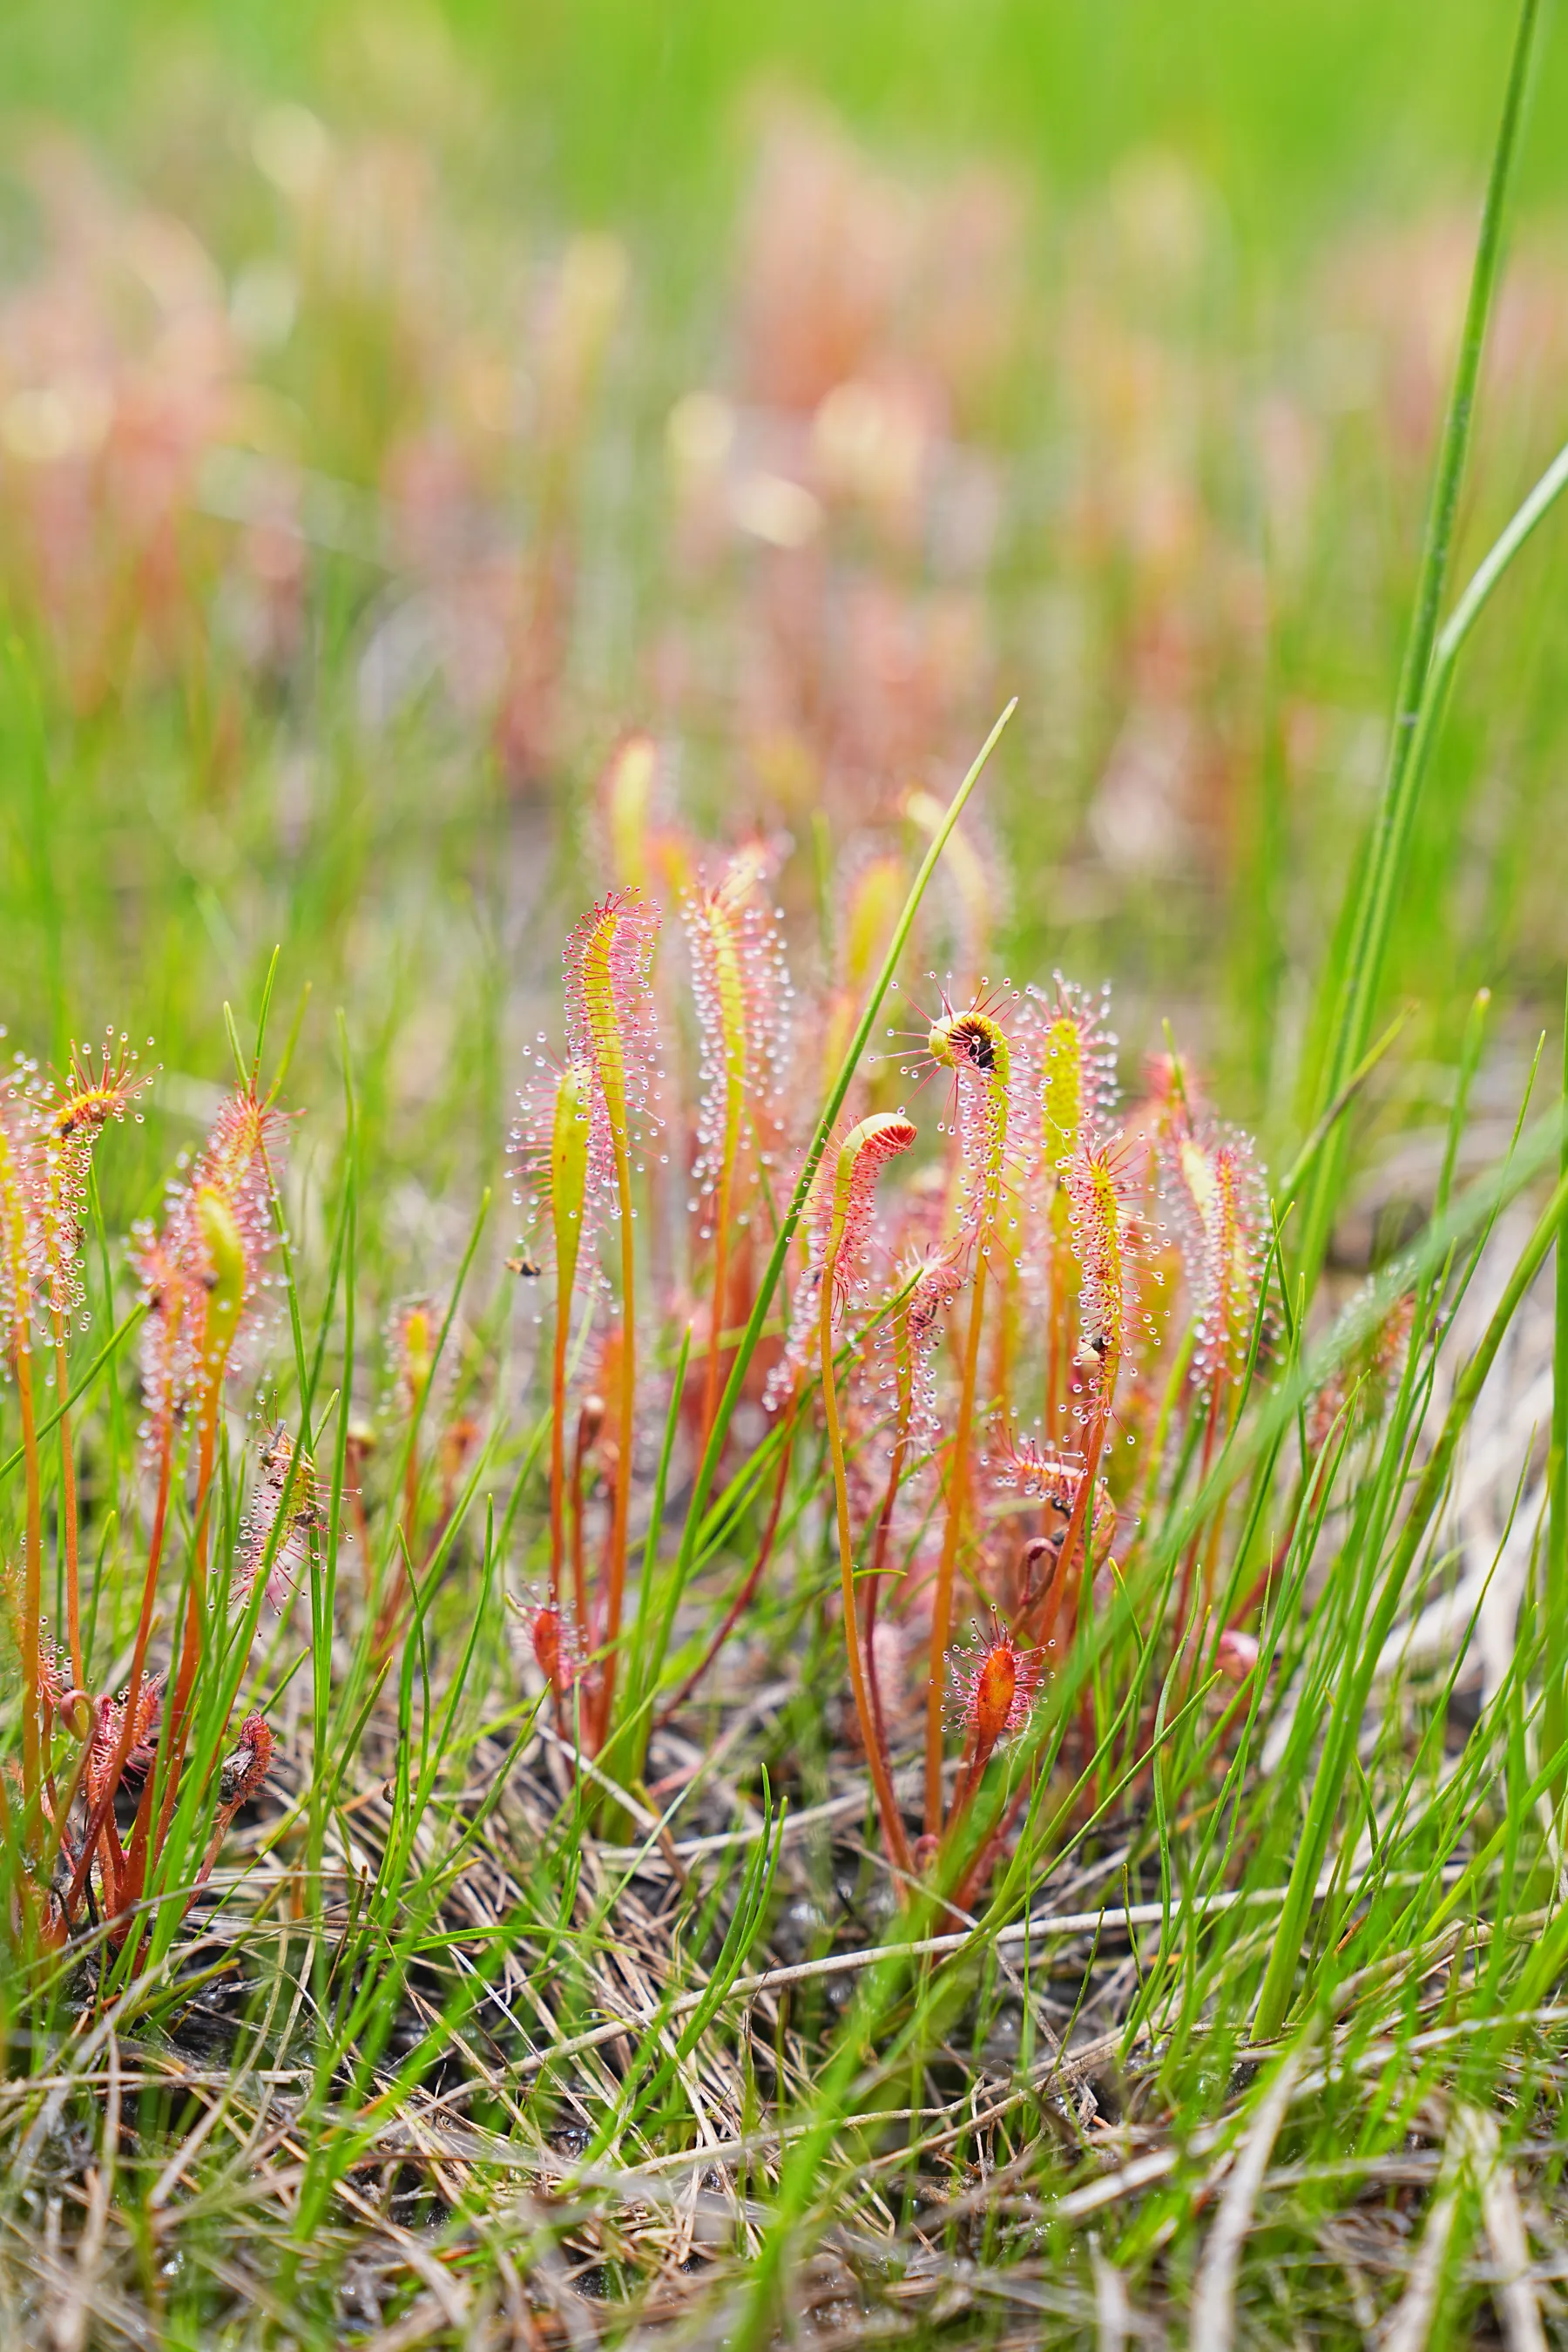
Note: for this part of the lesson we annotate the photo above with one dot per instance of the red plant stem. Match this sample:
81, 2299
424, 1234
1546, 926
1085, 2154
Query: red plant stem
32, 1598
969, 1780
69, 1511
215, 1847
177, 1723
883, 1535
102, 1816
974, 1876
8, 1832
195, 1604
897, 1845
743, 1598
62, 1809
621, 1508
1076, 1524
941, 1604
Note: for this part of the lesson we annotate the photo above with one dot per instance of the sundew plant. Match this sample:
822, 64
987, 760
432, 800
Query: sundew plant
885, 1710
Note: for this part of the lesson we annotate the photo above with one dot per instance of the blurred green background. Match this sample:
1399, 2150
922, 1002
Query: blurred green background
1302, 115
397, 403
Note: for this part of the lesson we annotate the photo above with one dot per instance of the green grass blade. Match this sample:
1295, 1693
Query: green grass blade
1383, 872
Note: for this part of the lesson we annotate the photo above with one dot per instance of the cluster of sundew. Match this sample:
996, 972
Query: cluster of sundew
1023, 1106
743, 994
1033, 1097
277, 1459
1221, 1195
1067, 1071
200, 1276
202, 1272
613, 1030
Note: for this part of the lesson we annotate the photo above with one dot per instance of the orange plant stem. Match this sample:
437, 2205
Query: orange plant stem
743, 1599
195, 1604
881, 1776
172, 1744
969, 1781
883, 1536
942, 1603
974, 1876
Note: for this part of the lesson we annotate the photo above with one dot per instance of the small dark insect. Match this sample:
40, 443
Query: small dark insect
277, 1452
527, 1265
974, 1040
